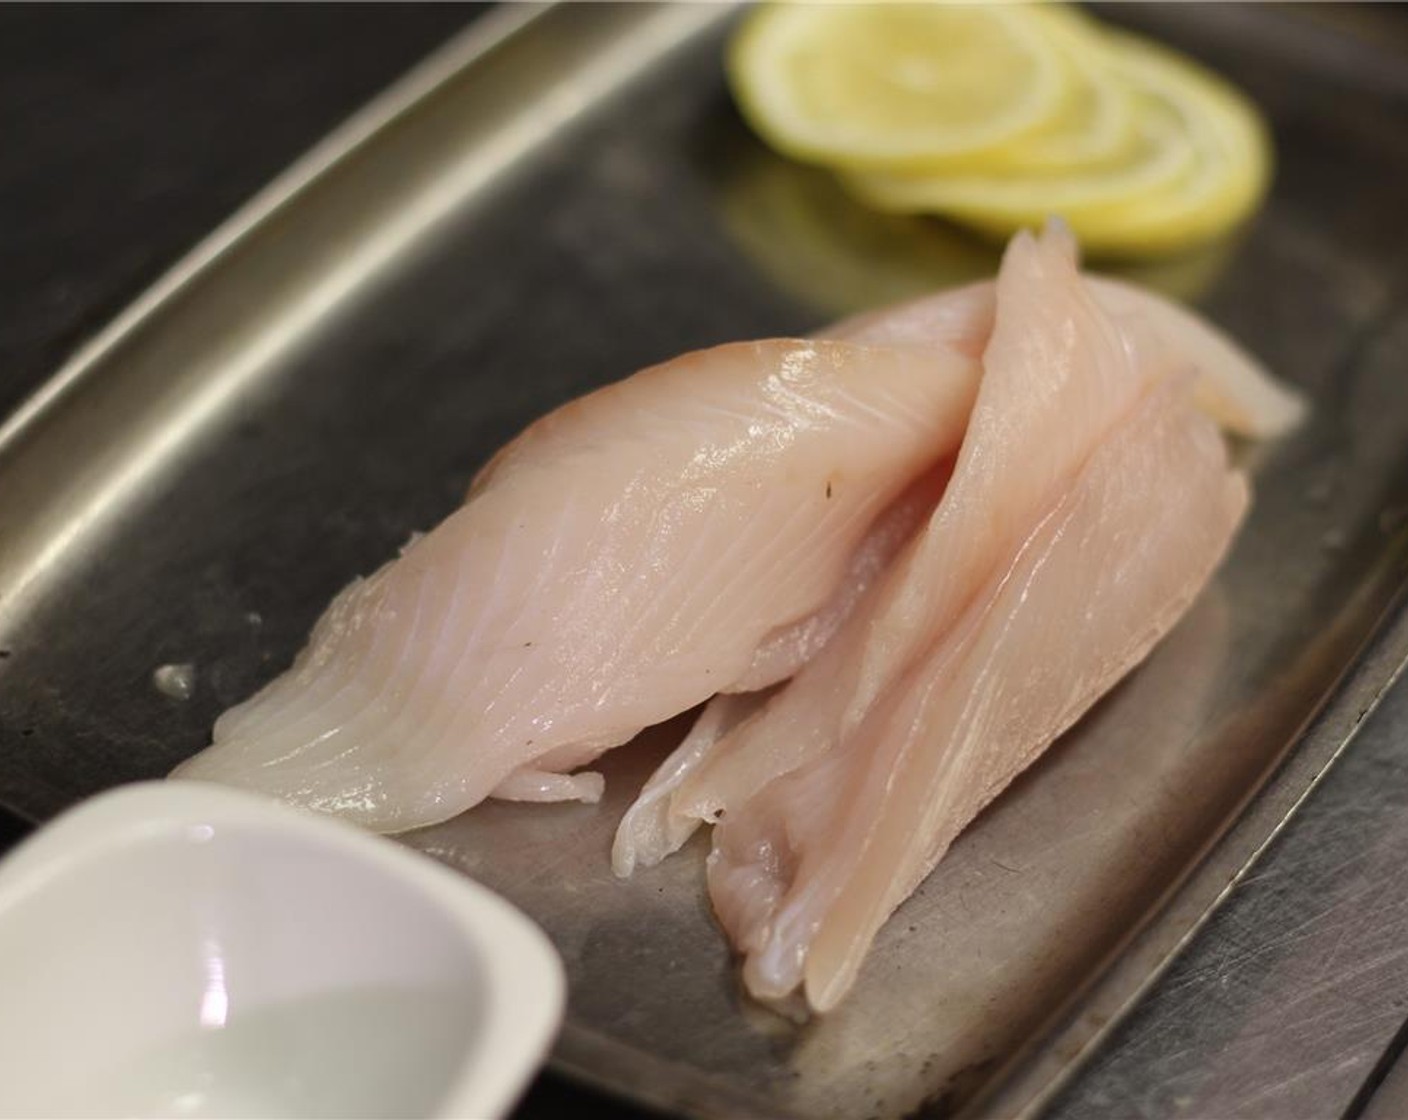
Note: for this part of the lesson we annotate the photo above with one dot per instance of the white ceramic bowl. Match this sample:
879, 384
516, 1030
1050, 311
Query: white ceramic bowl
177, 949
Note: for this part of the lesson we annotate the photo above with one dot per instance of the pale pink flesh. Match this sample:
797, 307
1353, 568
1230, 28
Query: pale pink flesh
837, 844
1057, 376
1231, 386
959, 320
542, 785
715, 523
617, 565
782, 653
649, 831
1042, 484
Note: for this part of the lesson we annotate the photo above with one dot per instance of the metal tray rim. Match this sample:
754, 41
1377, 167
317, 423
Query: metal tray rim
281, 193
1030, 1080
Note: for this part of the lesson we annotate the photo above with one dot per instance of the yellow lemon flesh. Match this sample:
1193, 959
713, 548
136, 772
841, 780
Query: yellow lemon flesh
999, 117
895, 85
1097, 121
1160, 156
1231, 170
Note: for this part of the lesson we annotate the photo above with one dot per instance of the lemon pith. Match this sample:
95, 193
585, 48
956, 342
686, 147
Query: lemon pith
1000, 116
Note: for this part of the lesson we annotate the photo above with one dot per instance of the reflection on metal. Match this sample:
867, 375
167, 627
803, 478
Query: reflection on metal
806, 234
809, 236
1298, 984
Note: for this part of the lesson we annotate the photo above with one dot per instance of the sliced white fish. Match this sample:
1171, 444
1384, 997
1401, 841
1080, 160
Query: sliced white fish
1089, 503
619, 563
1231, 386
804, 873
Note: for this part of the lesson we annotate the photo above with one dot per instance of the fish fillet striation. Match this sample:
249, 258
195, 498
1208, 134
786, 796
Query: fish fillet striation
1089, 503
623, 560
893, 562
1230, 385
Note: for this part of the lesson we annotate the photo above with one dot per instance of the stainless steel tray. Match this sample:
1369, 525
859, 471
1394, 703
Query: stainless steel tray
561, 197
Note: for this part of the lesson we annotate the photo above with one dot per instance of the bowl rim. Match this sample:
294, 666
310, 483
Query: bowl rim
523, 980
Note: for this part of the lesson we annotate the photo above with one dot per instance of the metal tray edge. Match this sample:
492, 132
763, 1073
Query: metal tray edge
377, 116
1055, 1054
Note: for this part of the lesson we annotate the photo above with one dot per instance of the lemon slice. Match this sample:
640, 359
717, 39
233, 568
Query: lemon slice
1199, 165
1160, 156
1097, 124
895, 86
1231, 171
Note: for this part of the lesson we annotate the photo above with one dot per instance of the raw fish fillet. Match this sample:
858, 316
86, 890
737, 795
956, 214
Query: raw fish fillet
1228, 384
1089, 504
689, 530
649, 831
959, 318
1231, 386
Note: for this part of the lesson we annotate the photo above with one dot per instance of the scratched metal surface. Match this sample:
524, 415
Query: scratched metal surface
565, 205
1288, 998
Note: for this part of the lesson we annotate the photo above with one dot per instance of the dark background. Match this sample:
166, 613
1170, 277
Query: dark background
130, 132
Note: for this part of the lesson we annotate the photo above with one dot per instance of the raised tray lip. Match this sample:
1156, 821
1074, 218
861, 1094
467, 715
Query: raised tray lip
1031, 1078
283, 192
